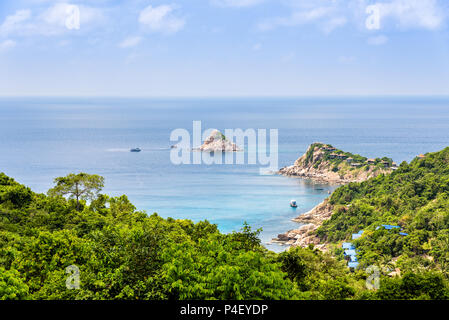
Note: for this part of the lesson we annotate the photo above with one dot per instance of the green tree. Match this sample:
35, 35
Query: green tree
81, 186
12, 286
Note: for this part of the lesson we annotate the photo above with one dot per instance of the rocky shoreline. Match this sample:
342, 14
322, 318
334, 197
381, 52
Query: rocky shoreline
322, 163
325, 164
319, 176
304, 235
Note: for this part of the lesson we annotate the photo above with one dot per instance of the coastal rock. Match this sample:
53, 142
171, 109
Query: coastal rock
325, 164
217, 142
305, 234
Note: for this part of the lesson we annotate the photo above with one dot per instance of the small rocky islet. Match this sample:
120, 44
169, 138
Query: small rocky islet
217, 142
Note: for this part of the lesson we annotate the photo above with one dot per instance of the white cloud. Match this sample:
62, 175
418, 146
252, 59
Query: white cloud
324, 16
49, 22
130, 42
334, 23
377, 40
7, 44
14, 22
331, 14
427, 14
236, 3
53, 20
161, 19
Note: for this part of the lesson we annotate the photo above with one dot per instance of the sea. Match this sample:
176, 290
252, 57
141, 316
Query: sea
46, 137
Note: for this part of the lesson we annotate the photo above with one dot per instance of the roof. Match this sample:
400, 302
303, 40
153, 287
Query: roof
348, 245
421, 156
356, 236
389, 227
353, 264
350, 252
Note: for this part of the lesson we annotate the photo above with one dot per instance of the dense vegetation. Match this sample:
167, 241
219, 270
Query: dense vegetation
416, 198
123, 253
336, 159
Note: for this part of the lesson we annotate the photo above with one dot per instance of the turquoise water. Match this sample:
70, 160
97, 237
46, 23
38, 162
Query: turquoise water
42, 138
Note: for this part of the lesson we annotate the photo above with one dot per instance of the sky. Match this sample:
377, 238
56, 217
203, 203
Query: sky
224, 48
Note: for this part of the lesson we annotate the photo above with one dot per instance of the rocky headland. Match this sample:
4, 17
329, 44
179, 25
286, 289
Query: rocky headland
325, 164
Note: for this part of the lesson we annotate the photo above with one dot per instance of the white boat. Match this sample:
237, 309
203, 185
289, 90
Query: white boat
293, 204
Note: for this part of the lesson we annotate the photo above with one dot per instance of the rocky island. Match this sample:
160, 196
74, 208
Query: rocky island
217, 142
325, 164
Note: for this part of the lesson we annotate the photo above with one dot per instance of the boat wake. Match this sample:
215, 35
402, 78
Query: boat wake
128, 149
118, 150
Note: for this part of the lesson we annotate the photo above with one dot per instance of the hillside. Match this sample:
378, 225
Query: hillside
414, 200
123, 253
324, 163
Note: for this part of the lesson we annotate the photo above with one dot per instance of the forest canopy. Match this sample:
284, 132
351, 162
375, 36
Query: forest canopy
124, 253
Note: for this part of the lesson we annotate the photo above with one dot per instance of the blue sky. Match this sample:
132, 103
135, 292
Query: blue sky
224, 48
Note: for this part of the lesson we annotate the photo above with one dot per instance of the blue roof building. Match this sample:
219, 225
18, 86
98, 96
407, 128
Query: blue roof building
357, 235
389, 227
350, 252
348, 245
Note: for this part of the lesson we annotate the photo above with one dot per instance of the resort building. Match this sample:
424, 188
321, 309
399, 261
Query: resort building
357, 235
329, 148
390, 227
371, 161
351, 254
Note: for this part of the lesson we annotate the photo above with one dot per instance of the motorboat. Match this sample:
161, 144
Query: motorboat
293, 204
136, 150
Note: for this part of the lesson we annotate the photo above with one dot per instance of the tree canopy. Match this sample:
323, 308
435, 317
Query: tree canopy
81, 186
124, 253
